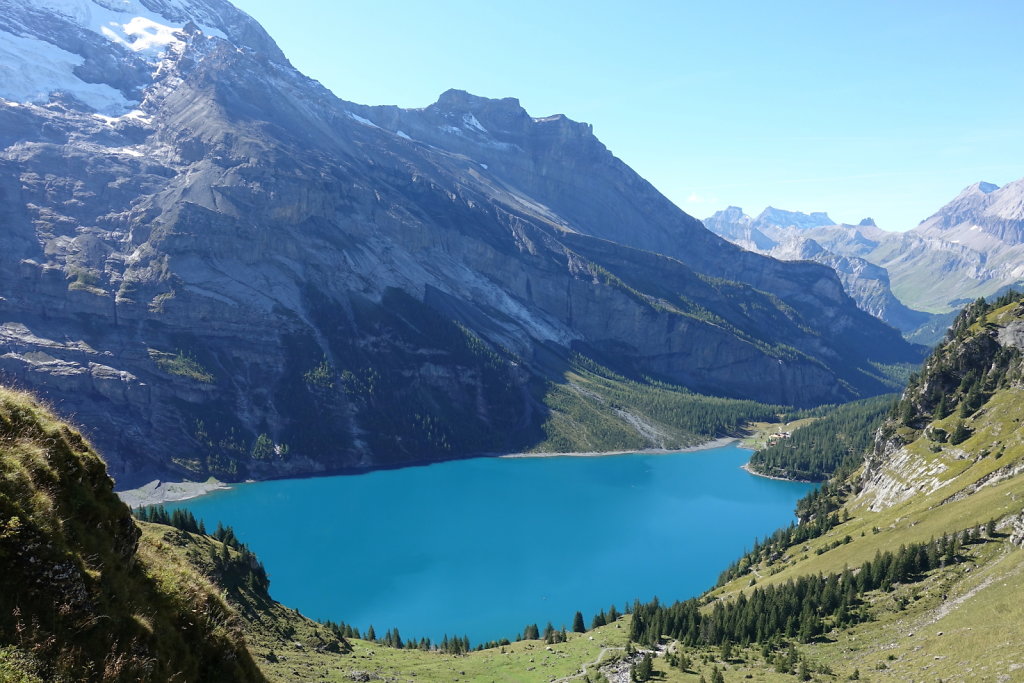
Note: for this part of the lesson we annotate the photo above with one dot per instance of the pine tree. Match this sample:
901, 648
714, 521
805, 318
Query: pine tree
577, 623
907, 412
960, 434
990, 528
642, 670
371, 635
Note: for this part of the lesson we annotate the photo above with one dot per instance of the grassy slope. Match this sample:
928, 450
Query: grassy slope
527, 661
978, 629
86, 593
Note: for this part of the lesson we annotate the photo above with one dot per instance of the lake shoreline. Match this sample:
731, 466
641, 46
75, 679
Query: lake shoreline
705, 446
751, 470
159, 492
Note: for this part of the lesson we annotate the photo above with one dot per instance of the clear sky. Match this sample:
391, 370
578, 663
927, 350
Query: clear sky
868, 108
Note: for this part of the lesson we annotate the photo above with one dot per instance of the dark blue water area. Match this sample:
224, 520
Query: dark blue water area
483, 547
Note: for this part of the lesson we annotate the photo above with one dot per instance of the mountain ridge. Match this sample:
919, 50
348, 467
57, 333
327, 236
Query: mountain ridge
246, 258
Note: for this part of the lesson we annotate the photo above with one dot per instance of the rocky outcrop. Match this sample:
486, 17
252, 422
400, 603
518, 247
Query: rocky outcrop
1017, 530
919, 445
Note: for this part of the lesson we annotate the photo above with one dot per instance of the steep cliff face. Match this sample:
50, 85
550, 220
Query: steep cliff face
866, 283
228, 261
957, 426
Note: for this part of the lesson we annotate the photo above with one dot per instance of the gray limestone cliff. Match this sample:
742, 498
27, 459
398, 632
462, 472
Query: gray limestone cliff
222, 268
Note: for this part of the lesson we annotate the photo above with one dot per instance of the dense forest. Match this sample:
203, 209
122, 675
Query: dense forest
832, 445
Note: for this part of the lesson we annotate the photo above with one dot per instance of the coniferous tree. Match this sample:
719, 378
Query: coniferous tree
960, 434
642, 670
577, 623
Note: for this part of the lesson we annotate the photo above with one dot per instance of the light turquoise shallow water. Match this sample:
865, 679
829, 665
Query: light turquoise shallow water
485, 546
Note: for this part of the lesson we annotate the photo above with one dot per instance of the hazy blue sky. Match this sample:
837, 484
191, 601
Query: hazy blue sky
869, 108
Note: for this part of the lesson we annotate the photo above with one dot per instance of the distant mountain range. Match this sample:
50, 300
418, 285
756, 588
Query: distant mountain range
915, 280
219, 267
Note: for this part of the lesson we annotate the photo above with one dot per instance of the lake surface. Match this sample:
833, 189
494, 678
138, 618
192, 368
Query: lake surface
484, 547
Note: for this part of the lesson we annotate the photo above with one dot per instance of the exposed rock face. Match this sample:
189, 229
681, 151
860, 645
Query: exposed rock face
738, 228
974, 370
1017, 531
246, 276
865, 282
972, 247
775, 219
787, 235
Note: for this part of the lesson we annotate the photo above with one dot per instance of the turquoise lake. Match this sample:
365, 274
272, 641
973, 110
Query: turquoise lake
483, 547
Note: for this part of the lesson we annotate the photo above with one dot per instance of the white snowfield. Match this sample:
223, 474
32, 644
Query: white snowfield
31, 69
33, 66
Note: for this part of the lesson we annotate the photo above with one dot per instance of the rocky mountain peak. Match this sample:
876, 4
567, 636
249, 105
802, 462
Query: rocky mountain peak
981, 213
733, 214
454, 99
867, 223
974, 192
792, 219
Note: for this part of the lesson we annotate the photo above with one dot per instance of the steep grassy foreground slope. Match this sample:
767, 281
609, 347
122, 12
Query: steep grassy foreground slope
86, 593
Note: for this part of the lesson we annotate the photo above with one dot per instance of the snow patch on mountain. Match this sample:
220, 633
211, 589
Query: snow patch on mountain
71, 50
148, 35
126, 22
359, 119
32, 69
133, 115
472, 122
